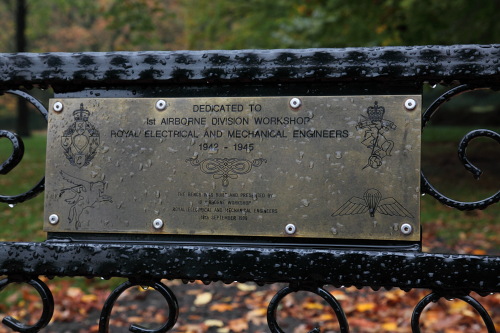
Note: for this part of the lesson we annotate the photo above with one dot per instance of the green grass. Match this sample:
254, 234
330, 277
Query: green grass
442, 167
24, 221
449, 133
452, 228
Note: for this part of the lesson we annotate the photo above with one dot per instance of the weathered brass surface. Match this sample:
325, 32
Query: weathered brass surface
338, 167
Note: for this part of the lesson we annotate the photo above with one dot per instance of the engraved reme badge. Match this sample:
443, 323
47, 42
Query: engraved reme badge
81, 139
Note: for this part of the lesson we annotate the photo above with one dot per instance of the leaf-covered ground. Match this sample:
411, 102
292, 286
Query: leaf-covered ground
242, 308
238, 307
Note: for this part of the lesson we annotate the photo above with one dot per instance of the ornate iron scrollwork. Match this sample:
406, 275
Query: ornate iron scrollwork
332, 301
173, 307
47, 302
18, 153
435, 296
462, 146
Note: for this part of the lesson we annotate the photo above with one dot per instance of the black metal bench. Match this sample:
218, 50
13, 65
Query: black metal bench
305, 263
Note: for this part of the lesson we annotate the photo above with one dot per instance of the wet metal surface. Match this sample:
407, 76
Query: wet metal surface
333, 167
406, 270
69, 71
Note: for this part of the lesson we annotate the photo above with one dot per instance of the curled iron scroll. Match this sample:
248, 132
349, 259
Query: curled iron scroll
173, 307
47, 302
434, 297
18, 153
332, 301
462, 147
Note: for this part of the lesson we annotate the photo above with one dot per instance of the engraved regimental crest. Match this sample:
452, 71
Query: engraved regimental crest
81, 139
375, 127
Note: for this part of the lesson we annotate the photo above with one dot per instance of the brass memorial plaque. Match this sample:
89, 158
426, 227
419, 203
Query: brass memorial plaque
338, 167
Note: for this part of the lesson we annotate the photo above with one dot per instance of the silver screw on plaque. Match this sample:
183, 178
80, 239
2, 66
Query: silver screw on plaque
58, 106
290, 229
53, 219
157, 224
406, 229
295, 102
410, 104
161, 105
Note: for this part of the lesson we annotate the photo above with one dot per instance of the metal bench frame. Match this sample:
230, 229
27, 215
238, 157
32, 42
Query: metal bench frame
246, 73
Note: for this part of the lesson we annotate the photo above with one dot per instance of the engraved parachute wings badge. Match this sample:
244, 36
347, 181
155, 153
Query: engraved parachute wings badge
372, 202
81, 139
353, 206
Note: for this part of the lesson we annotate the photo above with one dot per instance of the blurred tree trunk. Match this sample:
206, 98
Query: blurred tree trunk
22, 105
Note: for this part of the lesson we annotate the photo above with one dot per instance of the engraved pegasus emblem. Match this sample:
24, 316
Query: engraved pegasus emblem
85, 195
372, 202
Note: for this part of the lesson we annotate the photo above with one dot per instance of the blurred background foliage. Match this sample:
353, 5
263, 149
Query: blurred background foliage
116, 25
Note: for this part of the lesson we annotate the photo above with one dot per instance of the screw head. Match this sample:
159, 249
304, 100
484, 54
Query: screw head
410, 104
58, 106
290, 229
157, 224
295, 103
406, 229
53, 219
161, 105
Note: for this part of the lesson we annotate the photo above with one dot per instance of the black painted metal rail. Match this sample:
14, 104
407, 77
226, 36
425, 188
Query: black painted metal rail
466, 63
247, 73
406, 270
